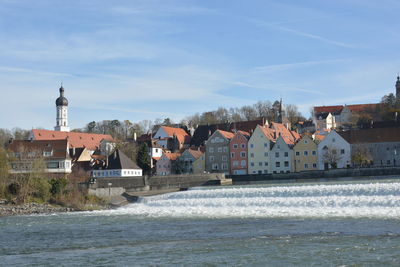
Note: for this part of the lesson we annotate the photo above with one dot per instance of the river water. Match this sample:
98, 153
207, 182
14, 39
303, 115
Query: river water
331, 224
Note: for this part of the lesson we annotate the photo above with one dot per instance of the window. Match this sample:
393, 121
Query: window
265, 154
243, 145
277, 164
219, 149
266, 145
342, 151
232, 154
243, 163
265, 163
297, 153
224, 158
211, 150
286, 163
305, 142
47, 153
260, 164
252, 164
211, 158
224, 166
314, 165
243, 154
252, 155
265, 171
251, 145
276, 154
156, 150
225, 149
306, 166
388, 162
215, 166
286, 154
333, 140
305, 153
235, 163
235, 145
314, 152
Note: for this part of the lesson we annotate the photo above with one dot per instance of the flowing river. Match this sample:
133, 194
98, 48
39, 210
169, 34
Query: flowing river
330, 224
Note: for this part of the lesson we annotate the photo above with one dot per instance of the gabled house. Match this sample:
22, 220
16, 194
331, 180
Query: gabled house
238, 151
217, 152
281, 156
203, 132
333, 152
55, 154
117, 165
185, 161
305, 154
259, 146
165, 165
172, 138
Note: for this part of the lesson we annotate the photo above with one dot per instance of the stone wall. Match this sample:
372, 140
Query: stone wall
335, 173
184, 181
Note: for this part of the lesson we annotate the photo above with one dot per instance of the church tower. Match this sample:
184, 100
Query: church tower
62, 112
398, 89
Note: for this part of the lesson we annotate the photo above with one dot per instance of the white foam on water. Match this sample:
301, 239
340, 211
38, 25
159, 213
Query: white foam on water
375, 200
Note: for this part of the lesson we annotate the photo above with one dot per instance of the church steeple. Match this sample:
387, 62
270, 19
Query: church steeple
62, 112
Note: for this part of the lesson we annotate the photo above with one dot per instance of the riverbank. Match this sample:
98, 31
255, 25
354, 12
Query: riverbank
38, 208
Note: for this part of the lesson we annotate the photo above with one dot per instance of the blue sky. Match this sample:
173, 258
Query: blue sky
168, 58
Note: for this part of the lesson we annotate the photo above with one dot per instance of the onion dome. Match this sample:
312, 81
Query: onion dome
61, 101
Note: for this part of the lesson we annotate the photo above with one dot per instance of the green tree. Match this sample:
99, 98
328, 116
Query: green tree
143, 158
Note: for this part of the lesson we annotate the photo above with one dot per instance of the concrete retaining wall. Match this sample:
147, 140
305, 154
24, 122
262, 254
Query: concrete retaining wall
107, 192
312, 175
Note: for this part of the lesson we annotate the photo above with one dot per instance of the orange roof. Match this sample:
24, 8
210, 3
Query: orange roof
286, 134
246, 134
89, 140
362, 107
181, 134
269, 133
327, 109
172, 156
338, 108
195, 153
227, 135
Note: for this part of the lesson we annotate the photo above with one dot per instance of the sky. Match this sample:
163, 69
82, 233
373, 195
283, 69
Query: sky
135, 60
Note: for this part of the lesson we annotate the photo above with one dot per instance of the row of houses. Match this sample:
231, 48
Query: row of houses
273, 148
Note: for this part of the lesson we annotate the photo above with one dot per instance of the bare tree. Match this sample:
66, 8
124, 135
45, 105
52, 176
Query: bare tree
331, 156
360, 156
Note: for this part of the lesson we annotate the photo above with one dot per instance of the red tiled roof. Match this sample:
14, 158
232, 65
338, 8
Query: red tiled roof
59, 148
373, 135
269, 133
195, 153
227, 135
89, 140
172, 156
246, 134
286, 134
338, 108
182, 135
328, 109
361, 107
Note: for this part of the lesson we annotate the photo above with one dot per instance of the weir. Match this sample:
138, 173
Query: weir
372, 200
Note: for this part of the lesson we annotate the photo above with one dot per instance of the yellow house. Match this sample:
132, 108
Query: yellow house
199, 165
305, 155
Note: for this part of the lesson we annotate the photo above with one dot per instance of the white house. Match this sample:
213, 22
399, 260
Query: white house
333, 152
281, 157
118, 165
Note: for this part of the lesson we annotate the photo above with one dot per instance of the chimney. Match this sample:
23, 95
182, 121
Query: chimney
73, 151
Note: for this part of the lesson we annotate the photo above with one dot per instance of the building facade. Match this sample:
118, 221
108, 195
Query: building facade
238, 151
281, 157
333, 152
217, 152
258, 152
305, 155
